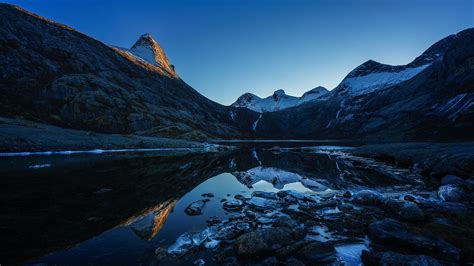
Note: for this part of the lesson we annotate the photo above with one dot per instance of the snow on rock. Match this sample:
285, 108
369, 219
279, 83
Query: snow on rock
278, 101
357, 85
255, 124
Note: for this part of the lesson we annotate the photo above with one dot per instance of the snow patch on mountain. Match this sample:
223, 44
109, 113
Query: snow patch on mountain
278, 101
374, 81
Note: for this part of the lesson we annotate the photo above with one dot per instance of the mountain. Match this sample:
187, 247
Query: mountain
372, 75
53, 74
278, 101
430, 98
149, 51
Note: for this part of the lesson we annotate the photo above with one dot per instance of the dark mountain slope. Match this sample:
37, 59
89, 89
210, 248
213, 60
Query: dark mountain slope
53, 74
436, 103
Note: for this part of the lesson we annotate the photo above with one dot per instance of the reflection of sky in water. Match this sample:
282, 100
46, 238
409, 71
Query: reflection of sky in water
123, 246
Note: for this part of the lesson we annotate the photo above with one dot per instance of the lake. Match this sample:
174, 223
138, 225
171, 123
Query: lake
137, 207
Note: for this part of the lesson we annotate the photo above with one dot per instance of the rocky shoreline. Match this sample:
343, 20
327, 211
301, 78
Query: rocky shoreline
400, 225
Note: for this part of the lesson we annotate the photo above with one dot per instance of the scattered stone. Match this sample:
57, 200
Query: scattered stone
240, 197
196, 207
232, 230
264, 204
262, 241
208, 195
394, 259
406, 210
451, 193
392, 233
317, 252
233, 204
368, 197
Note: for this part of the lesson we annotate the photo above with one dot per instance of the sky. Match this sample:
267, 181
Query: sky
226, 48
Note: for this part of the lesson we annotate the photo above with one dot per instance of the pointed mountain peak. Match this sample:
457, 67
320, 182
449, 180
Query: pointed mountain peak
320, 90
279, 93
149, 50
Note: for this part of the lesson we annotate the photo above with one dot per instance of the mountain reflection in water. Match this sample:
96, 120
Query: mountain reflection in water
119, 208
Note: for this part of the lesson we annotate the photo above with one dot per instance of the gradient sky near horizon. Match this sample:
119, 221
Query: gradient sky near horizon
226, 48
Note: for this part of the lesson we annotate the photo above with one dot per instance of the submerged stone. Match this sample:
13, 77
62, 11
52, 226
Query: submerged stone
233, 204
196, 207
207, 195
265, 195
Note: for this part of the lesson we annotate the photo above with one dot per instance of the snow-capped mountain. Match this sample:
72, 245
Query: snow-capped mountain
147, 50
278, 101
372, 75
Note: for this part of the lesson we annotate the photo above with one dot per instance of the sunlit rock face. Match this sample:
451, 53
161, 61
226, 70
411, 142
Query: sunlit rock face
149, 50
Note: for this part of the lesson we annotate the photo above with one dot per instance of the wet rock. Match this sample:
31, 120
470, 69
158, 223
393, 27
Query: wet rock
188, 241
265, 195
196, 207
262, 241
452, 180
232, 230
208, 195
392, 233
240, 197
103, 190
224, 254
265, 204
233, 204
368, 197
347, 194
213, 220
291, 249
406, 210
317, 252
451, 193
394, 259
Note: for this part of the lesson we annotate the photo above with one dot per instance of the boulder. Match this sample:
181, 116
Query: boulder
405, 210
233, 204
317, 252
451, 193
393, 234
265, 195
196, 207
368, 197
262, 241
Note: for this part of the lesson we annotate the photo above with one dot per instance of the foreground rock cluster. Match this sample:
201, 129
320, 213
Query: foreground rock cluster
331, 227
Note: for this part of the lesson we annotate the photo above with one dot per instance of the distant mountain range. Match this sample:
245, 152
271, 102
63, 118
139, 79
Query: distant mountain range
278, 101
53, 74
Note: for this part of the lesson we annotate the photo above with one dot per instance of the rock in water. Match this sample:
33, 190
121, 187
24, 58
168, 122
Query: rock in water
196, 207
451, 193
368, 197
406, 210
233, 204
317, 252
262, 241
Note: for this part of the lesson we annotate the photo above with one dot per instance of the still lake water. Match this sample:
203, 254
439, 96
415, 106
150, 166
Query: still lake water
118, 208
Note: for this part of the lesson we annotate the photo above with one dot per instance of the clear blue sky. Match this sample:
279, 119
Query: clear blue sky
225, 48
